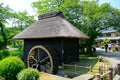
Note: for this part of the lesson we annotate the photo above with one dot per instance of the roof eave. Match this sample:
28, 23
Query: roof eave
52, 37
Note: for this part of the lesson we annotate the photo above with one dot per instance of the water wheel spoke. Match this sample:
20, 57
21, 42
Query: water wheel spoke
38, 55
35, 65
43, 60
35, 59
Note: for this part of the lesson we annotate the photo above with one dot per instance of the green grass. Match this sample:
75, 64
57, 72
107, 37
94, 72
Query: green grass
84, 61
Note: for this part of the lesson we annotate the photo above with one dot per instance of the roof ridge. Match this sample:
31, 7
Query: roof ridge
52, 14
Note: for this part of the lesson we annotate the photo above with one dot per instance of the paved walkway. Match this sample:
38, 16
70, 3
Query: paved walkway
113, 57
10, 48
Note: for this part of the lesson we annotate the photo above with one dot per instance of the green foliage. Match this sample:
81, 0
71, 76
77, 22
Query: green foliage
44, 6
10, 67
18, 53
5, 14
4, 53
87, 15
23, 20
93, 54
105, 41
19, 20
28, 74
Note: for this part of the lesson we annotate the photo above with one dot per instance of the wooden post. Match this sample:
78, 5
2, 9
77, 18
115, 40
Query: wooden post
118, 69
75, 68
111, 74
63, 65
97, 77
90, 68
100, 69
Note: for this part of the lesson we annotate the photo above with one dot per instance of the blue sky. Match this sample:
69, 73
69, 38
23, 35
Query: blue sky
113, 3
21, 5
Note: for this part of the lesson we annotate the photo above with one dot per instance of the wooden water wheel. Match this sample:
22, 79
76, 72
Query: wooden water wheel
43, 58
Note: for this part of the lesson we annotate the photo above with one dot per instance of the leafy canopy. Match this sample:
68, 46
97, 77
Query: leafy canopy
19, 20
88, 16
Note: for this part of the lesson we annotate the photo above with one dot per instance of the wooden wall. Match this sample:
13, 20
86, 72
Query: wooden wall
66, 49
71, 50
54, 43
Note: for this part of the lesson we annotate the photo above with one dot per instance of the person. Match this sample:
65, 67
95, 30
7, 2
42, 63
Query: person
106, 48
109, 46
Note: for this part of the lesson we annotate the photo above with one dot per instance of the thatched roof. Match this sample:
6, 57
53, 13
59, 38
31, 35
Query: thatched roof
51, 25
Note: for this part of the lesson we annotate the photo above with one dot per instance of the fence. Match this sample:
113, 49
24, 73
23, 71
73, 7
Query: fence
109, 72
77, 66
102, 76
103, 72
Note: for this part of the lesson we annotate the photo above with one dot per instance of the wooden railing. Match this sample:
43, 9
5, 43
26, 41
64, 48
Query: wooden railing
77, 66
99, 76
109, 73
102, 76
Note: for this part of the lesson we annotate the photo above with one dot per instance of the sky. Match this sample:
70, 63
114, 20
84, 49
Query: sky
113, 3
21, 5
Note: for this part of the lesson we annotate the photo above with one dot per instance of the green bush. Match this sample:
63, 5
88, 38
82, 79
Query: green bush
10, 67
93, 54
18, 53
3, 54
28, 74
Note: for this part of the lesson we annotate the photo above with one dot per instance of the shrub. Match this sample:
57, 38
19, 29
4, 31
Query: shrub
28, 74
18, 53
3, 54
93, 54
10, 67
0, 56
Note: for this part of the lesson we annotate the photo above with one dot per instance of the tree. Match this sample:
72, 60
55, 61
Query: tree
88, 16
45, 6
23, 20
5, 13
20, 21
105, 41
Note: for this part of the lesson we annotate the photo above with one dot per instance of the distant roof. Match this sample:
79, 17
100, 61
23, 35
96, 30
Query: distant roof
110, 38
109, 30
51, 25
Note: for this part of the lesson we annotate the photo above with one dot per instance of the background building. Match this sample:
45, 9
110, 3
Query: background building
111, 34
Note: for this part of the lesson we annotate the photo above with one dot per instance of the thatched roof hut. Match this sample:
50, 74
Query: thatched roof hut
51, 25
53, 30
